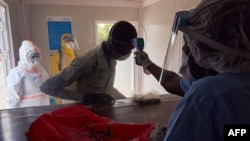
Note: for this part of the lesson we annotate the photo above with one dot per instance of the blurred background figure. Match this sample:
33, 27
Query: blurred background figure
62, 58
24, 81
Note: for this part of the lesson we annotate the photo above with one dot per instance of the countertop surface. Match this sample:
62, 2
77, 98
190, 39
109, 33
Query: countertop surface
15, 123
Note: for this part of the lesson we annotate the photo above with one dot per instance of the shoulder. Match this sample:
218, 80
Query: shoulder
15, 71
89, 52
222, 82
185, 84
15, 74
205, 87
87, 59
212, 87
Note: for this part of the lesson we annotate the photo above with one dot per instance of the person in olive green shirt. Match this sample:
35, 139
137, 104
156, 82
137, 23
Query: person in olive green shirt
94, 71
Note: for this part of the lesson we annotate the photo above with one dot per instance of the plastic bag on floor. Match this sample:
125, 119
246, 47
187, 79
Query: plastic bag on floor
77, 123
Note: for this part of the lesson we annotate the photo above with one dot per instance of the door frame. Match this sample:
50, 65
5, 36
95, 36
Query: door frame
7, 43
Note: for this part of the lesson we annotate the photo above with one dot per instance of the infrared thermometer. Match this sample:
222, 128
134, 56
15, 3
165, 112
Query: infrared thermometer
138, 43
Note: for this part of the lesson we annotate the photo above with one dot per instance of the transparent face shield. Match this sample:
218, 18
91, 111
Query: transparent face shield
120, 40
120, 50
181, 18
181, 23
71, 42
137, 43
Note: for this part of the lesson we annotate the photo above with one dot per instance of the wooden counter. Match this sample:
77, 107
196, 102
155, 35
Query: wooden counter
15, 123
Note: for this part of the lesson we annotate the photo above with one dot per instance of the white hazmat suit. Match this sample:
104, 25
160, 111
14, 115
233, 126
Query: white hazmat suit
24, 81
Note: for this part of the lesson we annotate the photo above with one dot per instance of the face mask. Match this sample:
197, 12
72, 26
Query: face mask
70, 45
124, 57
34, 59
119, 50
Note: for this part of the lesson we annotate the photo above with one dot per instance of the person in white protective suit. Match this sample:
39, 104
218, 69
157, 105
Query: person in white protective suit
24, 81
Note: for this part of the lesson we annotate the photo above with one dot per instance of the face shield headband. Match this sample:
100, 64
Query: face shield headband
181, 23
211, 43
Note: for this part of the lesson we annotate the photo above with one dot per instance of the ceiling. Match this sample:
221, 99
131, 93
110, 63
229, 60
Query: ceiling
112, 3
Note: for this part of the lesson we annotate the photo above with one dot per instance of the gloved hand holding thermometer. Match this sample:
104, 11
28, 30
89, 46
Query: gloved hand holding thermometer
141, 58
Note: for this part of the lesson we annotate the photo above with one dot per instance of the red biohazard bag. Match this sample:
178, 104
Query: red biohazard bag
77, 123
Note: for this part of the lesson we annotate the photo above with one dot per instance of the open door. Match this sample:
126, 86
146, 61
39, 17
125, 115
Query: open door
6, 51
